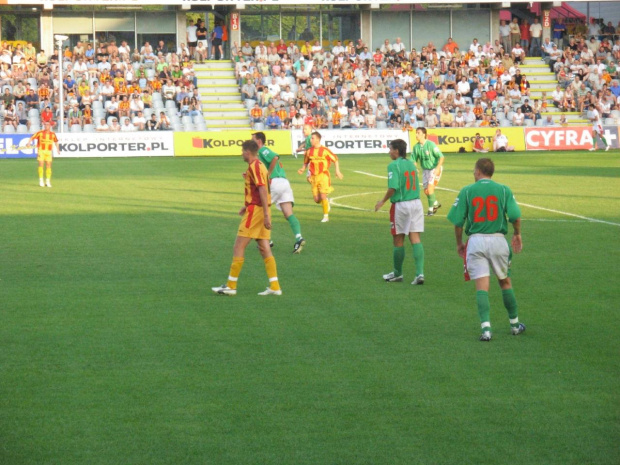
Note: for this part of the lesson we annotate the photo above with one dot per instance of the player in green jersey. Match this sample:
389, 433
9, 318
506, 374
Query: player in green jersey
406, 212
431, 159
306, 144
484, 209
281, 192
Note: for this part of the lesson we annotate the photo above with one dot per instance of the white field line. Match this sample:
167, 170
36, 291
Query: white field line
573, 215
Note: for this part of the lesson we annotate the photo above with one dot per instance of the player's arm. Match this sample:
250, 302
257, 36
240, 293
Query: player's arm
517, 243
273, 164
439, 163
264, 201
338, 173
306, 163
390, 192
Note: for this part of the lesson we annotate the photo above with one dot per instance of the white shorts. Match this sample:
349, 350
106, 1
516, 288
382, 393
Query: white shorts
281, 192
598, 129
407, 217
486, 251
428, 177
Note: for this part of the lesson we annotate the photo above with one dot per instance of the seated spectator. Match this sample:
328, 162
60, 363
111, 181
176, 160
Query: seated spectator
548, 121
256, 114
518, 118
500, 143
478, 145
273, 121
128, 126
431, 120
74, 116
102, 126
446, 120
139, 121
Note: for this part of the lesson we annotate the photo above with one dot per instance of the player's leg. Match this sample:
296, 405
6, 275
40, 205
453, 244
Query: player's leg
416, 228
270, 268
287, 210
48, 172
41, 170
510, 303
479, 269
500, 258
484, 307
230, 288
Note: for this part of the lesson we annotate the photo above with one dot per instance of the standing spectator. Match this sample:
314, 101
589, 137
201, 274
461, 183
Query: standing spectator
217, 52
487, 248
504, 32
524, 30
192, 38
559, 28
535, 35
515, 33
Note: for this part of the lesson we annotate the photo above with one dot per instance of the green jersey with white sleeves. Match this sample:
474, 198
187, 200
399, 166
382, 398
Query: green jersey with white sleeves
484, 207
266, 156
428, 154
403, 178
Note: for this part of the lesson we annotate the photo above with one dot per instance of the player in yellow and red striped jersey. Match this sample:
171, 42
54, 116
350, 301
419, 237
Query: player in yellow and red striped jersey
46, 141
256, 224
318, 159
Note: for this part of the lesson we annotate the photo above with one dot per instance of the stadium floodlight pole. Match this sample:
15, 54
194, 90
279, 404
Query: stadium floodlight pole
61, 100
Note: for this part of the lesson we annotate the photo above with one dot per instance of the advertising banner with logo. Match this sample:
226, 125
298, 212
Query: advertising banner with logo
566, 138
117, 144
226, 143
452, 139
14, 146
349, 141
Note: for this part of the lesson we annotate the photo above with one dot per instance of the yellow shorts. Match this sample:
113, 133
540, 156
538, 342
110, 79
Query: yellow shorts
321, 184
253, 224
44, 156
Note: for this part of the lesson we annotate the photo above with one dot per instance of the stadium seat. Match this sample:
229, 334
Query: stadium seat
500, 115
249, 103
177, 127
35, 128
259, 126
148, 112
186, 119
9, 129
97, 105
156, 96
33, 112
382, 101
529, 122
122, 119
539, 122
22, 129
615, 113
381, 125
188, 127
201, 126
170, 104
89, 128
291, 80
76, 128
610, 121
198, 118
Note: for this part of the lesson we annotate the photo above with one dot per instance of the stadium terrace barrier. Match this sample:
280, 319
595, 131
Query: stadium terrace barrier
451, 140
118, 144
358, 141
569, 138
227, 143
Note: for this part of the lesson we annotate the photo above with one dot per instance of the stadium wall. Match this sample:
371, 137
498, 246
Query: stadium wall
227, 143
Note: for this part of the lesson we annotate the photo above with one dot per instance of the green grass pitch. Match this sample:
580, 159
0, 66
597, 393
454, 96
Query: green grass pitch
113, 350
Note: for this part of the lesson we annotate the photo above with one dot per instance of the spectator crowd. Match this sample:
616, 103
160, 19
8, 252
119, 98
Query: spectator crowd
113, 87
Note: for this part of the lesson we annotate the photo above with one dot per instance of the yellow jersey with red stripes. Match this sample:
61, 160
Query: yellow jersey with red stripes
256, 176
45, 140
319, 159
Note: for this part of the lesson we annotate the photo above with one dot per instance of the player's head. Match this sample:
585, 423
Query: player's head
315, 139
484, 168
398, 147
259, 138
47, 125
249, 149
420, 134
307, 130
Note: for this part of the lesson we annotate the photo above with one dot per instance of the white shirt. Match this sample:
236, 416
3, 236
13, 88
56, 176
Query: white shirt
535, 30
501, 141
191, 34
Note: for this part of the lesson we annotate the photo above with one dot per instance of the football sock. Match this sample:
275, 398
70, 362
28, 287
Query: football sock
325, 203
48, 173
399, 258
510, 302
272, 273
418, 255
431, 201
295, 226
484, 310
40, 172
235, 271
604, 141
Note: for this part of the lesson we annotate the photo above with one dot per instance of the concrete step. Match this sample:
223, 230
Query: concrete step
227, 95
222, 105
230, 126
214, 64
242, 120
217, 80
219, 113
228, 86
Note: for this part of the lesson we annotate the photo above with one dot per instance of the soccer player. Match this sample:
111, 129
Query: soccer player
406, 212
306, 144
281, 192
431, 159
485, 208
319, 159
597, 128
46, 140
256, 224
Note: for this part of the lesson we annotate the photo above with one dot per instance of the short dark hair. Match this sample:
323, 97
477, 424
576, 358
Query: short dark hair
485, 166
423, 130
250, 146
316, 133
260, 136
401, 146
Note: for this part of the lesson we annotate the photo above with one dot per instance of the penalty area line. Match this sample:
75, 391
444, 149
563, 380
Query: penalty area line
535, 207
